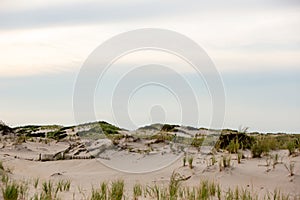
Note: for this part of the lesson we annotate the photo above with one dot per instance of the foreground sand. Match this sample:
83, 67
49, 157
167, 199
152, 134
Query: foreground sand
87, 173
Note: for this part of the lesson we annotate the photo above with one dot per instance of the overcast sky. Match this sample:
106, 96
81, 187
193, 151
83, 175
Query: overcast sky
255, 45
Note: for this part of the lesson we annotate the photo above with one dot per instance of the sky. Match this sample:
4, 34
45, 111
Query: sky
254, 45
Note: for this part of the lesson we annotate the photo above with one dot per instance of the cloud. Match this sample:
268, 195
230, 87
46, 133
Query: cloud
58, 37
16, 15
84, 13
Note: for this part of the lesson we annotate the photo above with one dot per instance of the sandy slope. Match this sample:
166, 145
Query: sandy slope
84, 174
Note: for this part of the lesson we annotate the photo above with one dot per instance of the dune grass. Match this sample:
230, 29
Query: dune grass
190, 160
137, 191
239, 157
184, 160
1, 166
10, 191
290, 167
174, 190
21, 190
117, 190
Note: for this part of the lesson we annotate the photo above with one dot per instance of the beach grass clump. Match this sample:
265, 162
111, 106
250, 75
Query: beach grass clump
290, 167
245, 194
213, 160
277, 195
219, 192
66, 185
174, 185
117, 190
184, 160
4, 178
212, 189
259, 148
162, 136
190, 160
291, 147
275, 160
233, 146
229, 194
226, 161
36, 182
239, 157
59, 186
1, 166
48, 191
203, 190
156, 192
63, 185
97, 195
100, 194
104, 189
268, 162
23, 190
197, 141
10, 191
137, 191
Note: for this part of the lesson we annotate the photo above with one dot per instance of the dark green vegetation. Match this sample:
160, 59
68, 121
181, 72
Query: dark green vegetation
229, 138
98, 128
56, 132
259, 144
4, 129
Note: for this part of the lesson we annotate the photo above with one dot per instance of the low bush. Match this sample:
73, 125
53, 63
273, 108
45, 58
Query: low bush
259, 148
291, 147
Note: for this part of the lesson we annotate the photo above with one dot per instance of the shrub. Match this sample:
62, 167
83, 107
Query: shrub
229, 136
168, 127
260, 147
197, 142
291, 147
108, 128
